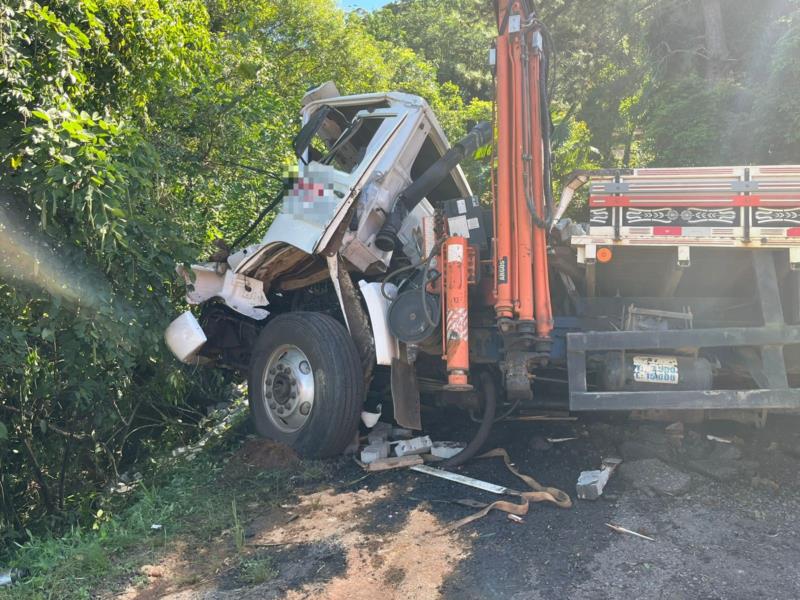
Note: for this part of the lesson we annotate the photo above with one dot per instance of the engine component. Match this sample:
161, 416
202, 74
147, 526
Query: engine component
465, 217
407, 320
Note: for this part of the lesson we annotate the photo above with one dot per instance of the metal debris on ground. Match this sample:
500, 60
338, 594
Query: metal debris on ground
721, 440
394, 462
418, 445
620, 529
446, 449
591, 483
156, 527
559, 440
462, 479
537, 493
515, 518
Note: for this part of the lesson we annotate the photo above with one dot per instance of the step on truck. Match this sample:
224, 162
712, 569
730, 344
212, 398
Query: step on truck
383, 281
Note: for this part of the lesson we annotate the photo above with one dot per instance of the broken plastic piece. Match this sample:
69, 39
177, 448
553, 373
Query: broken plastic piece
591, 483
418, 445
371, 418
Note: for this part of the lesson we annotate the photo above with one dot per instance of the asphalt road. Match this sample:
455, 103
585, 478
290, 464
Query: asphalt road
723, 518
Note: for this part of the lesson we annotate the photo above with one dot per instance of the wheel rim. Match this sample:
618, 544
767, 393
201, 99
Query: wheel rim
288, 388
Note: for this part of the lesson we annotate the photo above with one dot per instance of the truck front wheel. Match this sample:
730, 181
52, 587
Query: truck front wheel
306, 387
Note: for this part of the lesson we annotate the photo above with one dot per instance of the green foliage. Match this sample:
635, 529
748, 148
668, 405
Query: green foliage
132, 134
183, 498
454, 37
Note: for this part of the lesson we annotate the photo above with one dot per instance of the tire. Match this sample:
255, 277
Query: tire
329, 386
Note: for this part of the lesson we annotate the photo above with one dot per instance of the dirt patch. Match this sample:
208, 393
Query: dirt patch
333, 550
415, 561
185, 566
260, 454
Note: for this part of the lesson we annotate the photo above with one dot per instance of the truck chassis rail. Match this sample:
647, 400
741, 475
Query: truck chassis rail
769, 338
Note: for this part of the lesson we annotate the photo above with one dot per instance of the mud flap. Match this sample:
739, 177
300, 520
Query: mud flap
405, 392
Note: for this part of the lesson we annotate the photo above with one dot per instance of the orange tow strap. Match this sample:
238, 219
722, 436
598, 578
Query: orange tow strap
538, 493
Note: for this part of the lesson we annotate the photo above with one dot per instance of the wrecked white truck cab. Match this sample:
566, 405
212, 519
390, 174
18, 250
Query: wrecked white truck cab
340, 222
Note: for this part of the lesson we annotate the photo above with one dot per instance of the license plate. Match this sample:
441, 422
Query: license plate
655, 369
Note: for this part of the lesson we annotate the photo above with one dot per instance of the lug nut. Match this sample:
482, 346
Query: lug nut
305, 368
305, 408
280, 410
269, 394
272, 371
273, 406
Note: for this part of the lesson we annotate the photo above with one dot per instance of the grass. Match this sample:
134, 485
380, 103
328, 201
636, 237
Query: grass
185, 499
258, 569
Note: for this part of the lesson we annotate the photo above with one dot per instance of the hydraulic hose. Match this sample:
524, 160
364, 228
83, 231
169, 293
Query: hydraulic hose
544, 106
480, 135
477, 442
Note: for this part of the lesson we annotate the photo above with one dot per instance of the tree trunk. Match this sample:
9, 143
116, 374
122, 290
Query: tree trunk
716, 47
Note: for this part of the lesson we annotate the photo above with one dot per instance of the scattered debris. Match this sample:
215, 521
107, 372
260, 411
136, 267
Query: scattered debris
591, 483
395, 462
5, 578
559, 440
620, 529
462, 479
538, 493
156, 527
653, 476
446, 449
721, 440
515, 518
374, 451
417, 445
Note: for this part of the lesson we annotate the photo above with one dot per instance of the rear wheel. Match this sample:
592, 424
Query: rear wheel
306, 386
